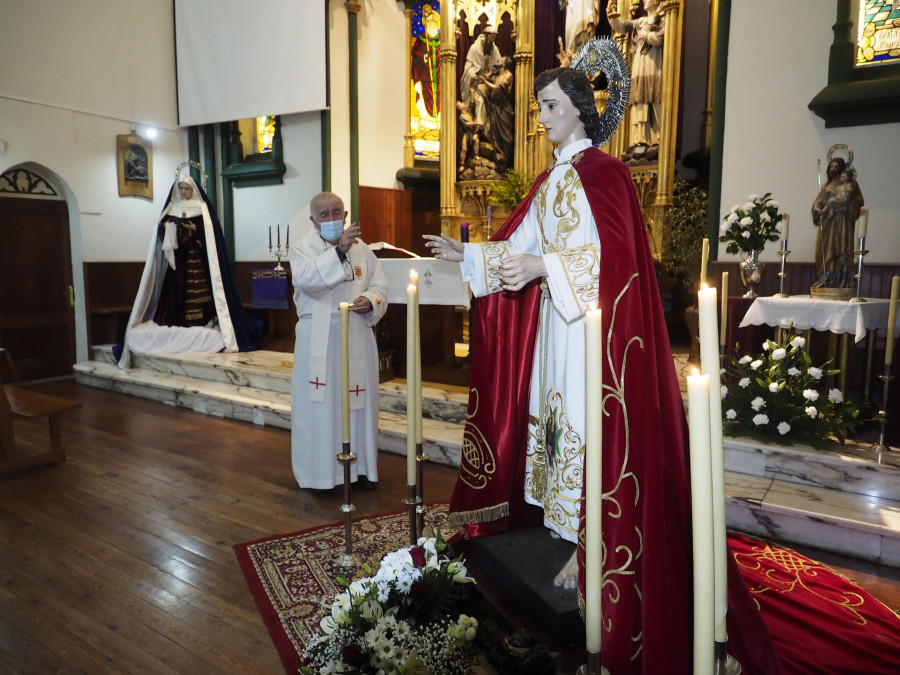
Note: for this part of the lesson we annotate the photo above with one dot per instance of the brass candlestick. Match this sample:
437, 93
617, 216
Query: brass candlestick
784, 253
885, 386
347, 458
861, 253
421, 457
412, 501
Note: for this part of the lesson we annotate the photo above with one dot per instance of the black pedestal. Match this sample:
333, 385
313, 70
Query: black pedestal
521, 565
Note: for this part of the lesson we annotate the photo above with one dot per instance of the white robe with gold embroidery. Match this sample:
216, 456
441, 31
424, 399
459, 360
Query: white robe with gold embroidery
559, 227
321, 282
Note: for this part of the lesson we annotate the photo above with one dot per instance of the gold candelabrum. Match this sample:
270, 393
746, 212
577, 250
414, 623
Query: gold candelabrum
478, 192
279, 251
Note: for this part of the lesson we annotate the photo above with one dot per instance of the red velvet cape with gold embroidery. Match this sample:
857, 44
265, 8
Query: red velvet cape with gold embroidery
646, 522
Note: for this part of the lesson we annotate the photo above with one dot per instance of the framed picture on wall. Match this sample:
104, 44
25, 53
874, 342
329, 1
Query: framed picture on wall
134, 165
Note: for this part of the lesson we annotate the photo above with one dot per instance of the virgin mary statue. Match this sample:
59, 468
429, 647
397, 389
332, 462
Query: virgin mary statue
187, 300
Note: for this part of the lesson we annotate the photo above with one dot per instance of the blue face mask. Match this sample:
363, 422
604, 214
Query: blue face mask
331, 230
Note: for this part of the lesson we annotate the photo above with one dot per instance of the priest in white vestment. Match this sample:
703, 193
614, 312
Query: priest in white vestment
331, 265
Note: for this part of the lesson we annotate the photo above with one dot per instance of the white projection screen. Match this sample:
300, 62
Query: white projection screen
237, 59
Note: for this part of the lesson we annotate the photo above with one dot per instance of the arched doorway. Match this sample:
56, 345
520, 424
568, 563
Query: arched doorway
37, 289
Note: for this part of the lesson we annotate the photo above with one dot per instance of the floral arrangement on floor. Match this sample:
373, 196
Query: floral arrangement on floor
401, 620
779, 397
748, 226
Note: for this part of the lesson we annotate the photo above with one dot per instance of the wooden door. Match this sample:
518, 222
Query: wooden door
37, 318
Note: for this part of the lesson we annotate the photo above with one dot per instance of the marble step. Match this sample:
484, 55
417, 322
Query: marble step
232, 398
845, 500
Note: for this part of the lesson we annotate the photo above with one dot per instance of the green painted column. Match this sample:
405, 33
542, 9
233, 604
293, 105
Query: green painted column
718, 120
353, 49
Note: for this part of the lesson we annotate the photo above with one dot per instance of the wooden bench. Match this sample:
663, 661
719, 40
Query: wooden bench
18, 402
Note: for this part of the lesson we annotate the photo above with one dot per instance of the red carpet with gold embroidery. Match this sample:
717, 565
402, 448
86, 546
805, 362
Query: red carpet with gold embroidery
820, 622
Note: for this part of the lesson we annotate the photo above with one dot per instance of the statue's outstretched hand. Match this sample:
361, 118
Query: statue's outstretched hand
444, 247
518, 270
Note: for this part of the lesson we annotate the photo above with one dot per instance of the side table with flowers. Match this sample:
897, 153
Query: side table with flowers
402, 619
746, 229
779, 397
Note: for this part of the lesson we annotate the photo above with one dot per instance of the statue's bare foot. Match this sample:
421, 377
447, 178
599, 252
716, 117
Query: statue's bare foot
568, 575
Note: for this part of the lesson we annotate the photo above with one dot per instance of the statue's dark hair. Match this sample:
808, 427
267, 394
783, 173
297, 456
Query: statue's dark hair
576, 86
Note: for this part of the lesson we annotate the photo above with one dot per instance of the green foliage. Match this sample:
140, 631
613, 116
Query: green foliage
507, 194
779, 397
684, 230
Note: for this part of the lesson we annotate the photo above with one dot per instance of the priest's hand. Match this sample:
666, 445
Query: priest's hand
444, 247
518, 270
361, 305
348, 238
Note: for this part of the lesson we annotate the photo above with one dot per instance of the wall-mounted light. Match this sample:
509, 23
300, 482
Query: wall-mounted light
143, 130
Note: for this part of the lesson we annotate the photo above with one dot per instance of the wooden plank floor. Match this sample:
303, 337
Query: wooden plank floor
121, 559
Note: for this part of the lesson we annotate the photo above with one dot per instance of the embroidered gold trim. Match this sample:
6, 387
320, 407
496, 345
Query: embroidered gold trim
478, 516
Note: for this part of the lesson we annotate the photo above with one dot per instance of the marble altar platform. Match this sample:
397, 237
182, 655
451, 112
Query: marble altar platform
846, 500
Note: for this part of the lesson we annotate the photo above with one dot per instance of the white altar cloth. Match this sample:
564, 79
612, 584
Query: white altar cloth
835, 316
440, 282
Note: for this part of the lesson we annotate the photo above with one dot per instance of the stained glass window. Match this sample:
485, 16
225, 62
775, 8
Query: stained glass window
424, 93
265, 132
878, 32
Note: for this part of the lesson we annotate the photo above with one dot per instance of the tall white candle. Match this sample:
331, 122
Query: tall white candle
593, 475
892, 322
785, 225
709, 364
702, 523
704, 257
414, 278
410, 385
345, 371
723, 327
864, 221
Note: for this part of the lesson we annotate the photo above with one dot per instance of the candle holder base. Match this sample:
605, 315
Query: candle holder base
412, 502
725, 664
592, 667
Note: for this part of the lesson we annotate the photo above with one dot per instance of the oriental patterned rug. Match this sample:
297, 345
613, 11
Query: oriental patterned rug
821, 623
293, 577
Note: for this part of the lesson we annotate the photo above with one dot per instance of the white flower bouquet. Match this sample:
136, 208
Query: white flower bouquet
748, 226
779, 397
400, 620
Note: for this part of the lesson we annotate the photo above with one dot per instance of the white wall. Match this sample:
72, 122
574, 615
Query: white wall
777, 62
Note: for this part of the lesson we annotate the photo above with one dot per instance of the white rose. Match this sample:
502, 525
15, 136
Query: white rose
730, 414
793, 372
723, 391
744, 382
765, 217
783, 428
745, 360
835, 396
811, 411
815, 373
758, 403
745, 234
779, 353
773, 387
756, 364
732, 218
760, 420
811, 394
746, 221
798, 342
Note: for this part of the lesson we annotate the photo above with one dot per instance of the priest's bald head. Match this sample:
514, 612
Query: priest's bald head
327, 213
